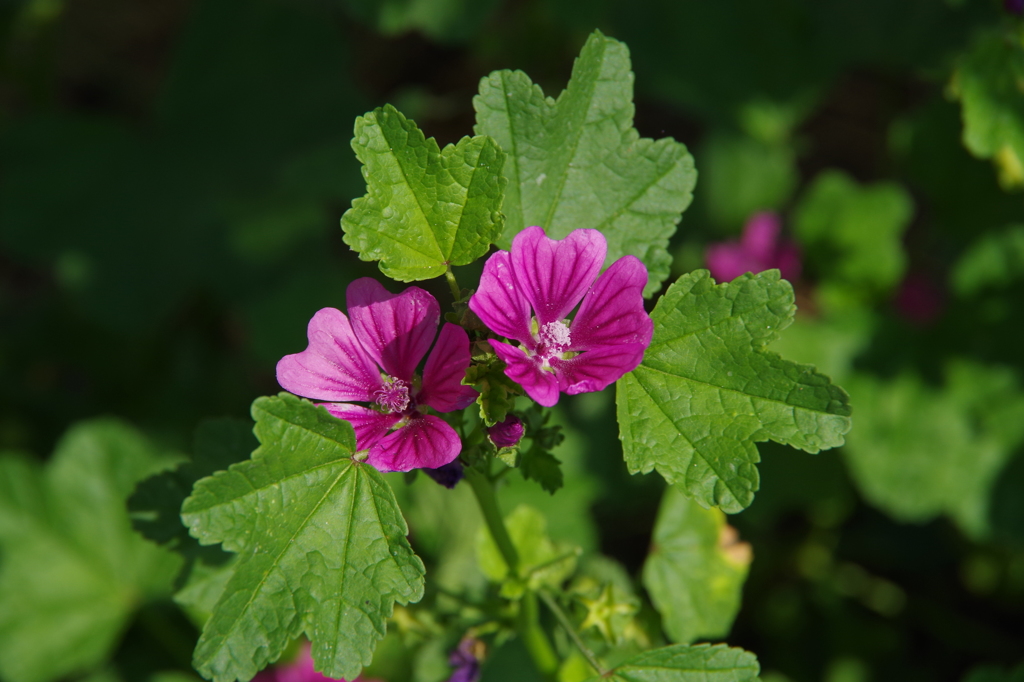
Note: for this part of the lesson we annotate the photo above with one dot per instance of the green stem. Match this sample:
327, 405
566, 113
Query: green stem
536, 641
563, 619
528, 620
484, 492
452, 284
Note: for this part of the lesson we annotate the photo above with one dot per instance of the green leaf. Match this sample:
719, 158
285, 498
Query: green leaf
741, 176
854, 233
425, 208
156, 502
994, 260
541, 561
540, 465
695, 571
497, 392
919, 451
703, 663
73, 571
988, 83
578, 162
707, 390
321, 546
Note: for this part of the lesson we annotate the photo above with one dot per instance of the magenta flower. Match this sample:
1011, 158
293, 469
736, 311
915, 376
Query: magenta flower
526, 295
299, 670
370, 357
759, 249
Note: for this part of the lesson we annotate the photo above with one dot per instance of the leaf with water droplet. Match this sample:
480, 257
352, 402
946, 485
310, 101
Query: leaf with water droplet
707, 389
425, 208
320, 541
578, 161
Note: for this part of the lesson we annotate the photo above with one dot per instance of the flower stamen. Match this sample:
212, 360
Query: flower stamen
393, 396
555, 337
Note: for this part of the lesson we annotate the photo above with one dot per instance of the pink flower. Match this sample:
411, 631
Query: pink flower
299, 670
370, 357
526, 295
759, 249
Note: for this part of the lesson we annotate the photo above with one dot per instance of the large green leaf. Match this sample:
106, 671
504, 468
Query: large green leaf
681, 663
72, 570
920, 451
707, 389
988, 83
695, 571
424, 208
578, 162
321, 545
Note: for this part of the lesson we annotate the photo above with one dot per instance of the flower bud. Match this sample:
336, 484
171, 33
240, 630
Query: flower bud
507, 433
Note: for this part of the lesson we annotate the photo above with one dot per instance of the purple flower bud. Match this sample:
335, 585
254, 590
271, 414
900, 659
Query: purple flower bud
1014, 6
507, 433
447, 475
466, 660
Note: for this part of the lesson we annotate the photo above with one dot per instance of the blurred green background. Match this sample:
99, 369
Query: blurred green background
172, 174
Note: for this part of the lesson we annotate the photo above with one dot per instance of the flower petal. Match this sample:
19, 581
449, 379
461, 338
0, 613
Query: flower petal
370, 425
760, 235
554, 274
613, 310
445, 370
334, 366
540, 385
787, 260
395, 329
499, 302
727, 261
595, 369
425, 442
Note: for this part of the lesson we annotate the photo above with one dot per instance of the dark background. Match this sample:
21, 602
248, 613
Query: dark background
172, 174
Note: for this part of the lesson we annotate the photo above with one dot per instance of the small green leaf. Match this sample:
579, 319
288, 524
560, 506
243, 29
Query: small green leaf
73, 571
855, 232
497, 392
987, 82
321, 545
578, 162
703, 663
707, 390
994, 260
919, 452
540, 465
425, 208
695, 571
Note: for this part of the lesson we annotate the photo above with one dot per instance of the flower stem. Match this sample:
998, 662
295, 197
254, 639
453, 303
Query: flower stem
528, 620
452, 284
564, 621
535, 639
484, 492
